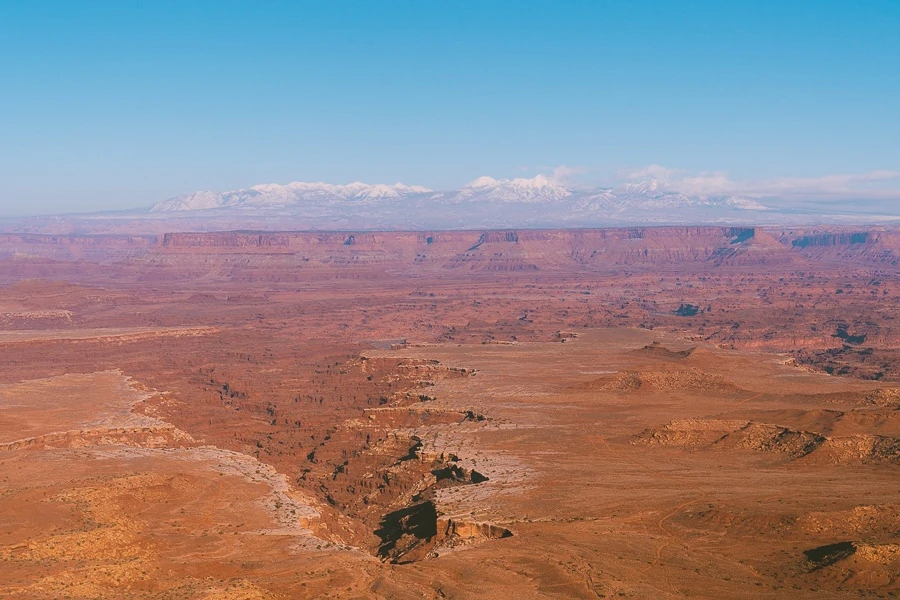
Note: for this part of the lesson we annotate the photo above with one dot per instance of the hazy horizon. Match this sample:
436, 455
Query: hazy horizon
122, 105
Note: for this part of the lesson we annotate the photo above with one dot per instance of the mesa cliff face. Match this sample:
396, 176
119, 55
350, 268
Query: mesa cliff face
526, 249
876, 246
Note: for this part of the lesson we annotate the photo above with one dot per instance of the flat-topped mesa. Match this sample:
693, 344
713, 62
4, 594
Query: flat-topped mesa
92, 249
831, 239
741, 234
95, 240
521, 250
879, 246
294, 256
471, 239
226, 240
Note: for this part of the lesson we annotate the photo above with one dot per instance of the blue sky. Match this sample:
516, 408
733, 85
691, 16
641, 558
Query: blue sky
121, 104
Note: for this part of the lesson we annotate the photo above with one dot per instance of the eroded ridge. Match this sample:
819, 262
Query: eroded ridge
377, 470
768, 437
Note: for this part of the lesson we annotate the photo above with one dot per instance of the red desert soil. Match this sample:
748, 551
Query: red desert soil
644, 413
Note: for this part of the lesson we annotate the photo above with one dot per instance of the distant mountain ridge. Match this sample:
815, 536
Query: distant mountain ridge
272, 195
538, 201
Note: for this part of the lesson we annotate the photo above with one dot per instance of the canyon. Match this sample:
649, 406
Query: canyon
642, 412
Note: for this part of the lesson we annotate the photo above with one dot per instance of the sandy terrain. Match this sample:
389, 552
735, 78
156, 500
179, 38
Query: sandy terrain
236, 423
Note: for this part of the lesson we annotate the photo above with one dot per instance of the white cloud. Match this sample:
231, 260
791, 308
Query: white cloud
835, 184
564, 173
661, 174
883, 184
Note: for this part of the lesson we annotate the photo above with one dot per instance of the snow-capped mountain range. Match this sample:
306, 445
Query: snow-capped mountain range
485, 203
272, 195
539, 201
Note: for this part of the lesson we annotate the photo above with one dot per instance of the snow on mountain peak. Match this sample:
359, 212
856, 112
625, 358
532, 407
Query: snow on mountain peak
538, 181
543, 195
537, 189
647, 186
378, 191
201, 200
273, 195
482, 182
